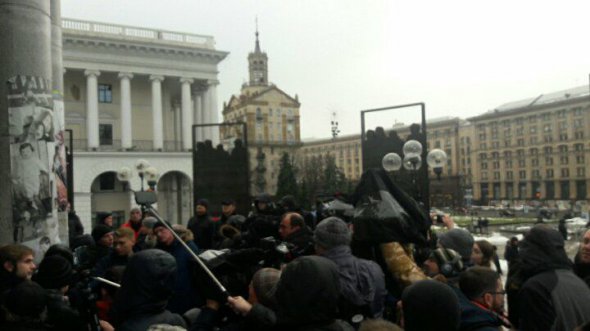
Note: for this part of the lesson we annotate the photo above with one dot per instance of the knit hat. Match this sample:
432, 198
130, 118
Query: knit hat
448, 261
100, 217
99, 231
149, 222
26, 299
265, 283
160, 224
54, 272
203, 202
459, 240
228, 201
430, 305
332, 232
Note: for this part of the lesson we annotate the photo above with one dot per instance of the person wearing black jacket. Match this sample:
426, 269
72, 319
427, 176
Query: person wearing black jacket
552, 297
55, 274
294, 231
148, 283
201, 225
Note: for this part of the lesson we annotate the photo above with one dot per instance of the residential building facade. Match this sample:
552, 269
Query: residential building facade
533, 149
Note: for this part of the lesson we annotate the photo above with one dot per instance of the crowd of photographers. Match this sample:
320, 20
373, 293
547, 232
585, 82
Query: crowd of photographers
288, 269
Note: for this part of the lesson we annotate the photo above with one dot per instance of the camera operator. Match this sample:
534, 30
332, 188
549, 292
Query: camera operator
294, 232
149, 280
24, 308
55, 274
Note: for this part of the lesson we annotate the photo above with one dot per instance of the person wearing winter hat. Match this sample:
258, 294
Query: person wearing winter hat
201, 225
55, 274
103, 239
103, 235
24, 307
186, 295
430, 305
459, 240
362, 282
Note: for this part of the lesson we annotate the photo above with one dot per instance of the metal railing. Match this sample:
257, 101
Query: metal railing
139, 32
138, 146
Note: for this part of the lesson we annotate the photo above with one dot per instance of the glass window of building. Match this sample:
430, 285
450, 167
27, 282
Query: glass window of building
105, 93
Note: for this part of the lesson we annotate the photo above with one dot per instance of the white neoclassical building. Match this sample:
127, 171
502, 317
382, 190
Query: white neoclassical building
134, 93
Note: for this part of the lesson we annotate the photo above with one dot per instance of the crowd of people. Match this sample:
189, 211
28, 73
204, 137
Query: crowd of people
287, 269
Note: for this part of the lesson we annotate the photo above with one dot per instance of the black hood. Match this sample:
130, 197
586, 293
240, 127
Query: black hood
308, 291
542, 249
148, 282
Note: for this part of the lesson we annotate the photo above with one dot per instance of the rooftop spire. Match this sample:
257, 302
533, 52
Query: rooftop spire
257, 49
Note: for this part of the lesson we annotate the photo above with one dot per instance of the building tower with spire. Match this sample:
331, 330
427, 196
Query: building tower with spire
272, 119
258, 65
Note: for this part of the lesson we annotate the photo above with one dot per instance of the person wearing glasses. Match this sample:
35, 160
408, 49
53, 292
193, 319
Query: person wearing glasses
482, 307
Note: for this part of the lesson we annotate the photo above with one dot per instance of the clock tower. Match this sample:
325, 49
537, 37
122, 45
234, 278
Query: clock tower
258, 66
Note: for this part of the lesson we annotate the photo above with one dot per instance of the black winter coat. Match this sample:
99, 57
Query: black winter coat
552, 297
147, 284
203, 230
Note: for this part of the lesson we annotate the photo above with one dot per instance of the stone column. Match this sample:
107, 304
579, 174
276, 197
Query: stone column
198, 119
213, 112
157, 128
205, 114
126, 125
92, 108
187, 120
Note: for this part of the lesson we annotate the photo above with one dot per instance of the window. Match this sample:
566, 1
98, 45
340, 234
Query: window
564, 160
521, 163
562, 125
549, 190
547, 128
548, 161
533, 129
546, 116
563, 148
549, 173
105, 134
535, 162
496, 175
580, 159
519, 131
509, 175
534, 140
532, 118
579, 147
105, 93
107, 181
547, 139
522, 174
565, 189
536, 173
578, 123
581, 172
577, 111
483, 146
565, 172
548, 150
484, 165
496, 164
561, 113
579, 135
581, 189
534, 151
496, 144
520, 142
562, 136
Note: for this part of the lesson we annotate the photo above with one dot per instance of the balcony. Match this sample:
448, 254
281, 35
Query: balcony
139, 33
81, 145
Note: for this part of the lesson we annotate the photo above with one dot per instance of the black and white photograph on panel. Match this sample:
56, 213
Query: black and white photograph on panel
32, 151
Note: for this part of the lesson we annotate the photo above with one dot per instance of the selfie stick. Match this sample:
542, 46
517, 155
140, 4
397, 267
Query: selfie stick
194, 255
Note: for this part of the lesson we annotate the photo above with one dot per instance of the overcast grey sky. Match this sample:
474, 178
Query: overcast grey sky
461, 58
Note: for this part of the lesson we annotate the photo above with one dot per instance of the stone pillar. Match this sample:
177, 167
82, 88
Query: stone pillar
126, 125
205, 104
187, 120
198, 119
213, 112
92, 108
158, 128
